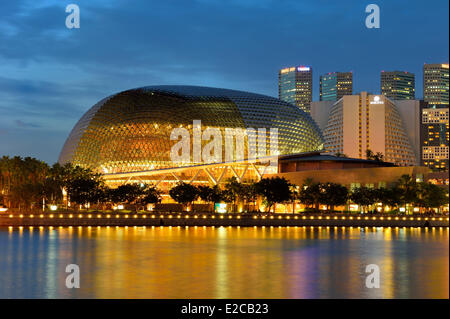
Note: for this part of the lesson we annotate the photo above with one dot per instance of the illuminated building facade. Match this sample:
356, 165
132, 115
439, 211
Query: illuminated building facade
436, 84
398, 85
128, 136
351, 172
335, 85
360, 122
435, 137
295, 86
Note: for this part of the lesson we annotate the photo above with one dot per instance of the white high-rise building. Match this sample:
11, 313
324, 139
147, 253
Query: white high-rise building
356, 123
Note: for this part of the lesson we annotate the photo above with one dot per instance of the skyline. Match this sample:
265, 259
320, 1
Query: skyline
50, 75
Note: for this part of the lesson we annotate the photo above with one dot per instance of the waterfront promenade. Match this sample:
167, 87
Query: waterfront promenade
66, 218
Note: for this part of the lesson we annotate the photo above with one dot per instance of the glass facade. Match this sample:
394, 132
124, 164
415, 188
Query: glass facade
130, 131
436, 83
335, 85
295, 86
398, 85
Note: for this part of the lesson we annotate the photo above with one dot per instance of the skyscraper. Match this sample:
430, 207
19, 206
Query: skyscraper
335, 85
295, 86
398, 85
434, 136
435, 83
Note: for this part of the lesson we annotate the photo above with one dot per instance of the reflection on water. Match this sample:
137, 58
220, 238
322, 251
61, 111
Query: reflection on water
218, 262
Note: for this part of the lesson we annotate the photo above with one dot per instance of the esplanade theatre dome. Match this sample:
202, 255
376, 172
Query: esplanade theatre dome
130, 131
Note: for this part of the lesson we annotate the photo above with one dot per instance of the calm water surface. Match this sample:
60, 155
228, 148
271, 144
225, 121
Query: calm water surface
206, 262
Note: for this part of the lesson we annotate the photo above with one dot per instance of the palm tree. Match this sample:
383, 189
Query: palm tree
369, 154
249, 194
233, 191
379, 157
407, 187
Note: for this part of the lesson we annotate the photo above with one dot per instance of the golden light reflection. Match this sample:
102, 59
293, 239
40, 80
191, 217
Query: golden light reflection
251, 262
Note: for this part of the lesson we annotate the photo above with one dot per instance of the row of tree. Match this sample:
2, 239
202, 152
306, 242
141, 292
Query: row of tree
406, 193
271, 190
27, 183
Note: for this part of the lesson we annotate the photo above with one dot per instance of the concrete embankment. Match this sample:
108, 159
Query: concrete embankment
244, 220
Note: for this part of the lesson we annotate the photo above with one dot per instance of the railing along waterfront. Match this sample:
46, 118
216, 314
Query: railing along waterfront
73, 218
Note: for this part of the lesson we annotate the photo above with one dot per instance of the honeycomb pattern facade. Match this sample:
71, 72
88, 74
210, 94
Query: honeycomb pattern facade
130, 131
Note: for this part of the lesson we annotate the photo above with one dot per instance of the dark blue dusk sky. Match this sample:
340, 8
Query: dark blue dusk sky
51, 75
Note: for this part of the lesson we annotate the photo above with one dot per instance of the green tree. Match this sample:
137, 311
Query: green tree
26, 195
295, 195
210, 195
83, 190
101, 196
249, 194
63, 174
274, 190
392, 197
81, 184
364, 196
19, 175
378, 157
387, 196
370, 155
233, 191
151, 195
130, 194
310, 194
407, 189
430, 196
51, 191
184, 193
333, 195
338, 154
436, 197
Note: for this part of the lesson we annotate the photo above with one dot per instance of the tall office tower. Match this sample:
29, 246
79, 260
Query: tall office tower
295, 86
398, 85
360, 122
335, 85
434, 137
435, 83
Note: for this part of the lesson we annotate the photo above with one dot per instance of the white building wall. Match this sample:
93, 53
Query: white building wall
410, 112
360, 122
